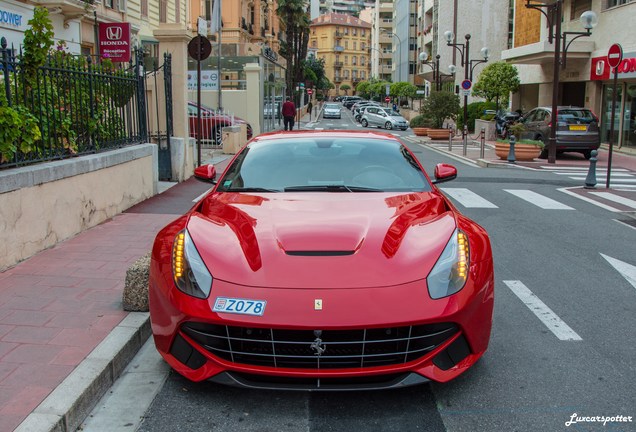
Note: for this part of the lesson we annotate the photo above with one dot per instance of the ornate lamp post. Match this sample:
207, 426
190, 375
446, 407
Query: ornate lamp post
467, 64
437, 74
553, 11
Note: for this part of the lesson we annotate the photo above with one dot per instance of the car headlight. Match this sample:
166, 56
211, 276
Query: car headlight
450, 272
190, 274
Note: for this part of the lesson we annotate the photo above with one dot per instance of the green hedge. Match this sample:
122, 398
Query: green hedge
475, 111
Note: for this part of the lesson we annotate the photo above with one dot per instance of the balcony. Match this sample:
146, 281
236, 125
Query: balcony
338, 35
337, 79
70, 9
541, 53
338, 48
338, 65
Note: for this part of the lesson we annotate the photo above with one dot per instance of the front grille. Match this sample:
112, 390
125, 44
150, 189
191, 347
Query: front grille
282, 348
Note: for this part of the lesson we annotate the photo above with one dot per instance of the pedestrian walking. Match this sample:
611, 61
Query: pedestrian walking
309, 107
289, 112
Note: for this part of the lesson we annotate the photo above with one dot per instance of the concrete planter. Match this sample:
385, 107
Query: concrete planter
523, 152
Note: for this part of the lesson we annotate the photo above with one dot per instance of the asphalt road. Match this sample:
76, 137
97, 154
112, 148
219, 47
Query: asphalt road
562, 342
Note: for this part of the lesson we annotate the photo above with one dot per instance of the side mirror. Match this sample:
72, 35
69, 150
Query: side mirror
205, 173
444, 172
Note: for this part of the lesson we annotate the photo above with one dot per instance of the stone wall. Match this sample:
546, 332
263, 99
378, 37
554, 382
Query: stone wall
44, 204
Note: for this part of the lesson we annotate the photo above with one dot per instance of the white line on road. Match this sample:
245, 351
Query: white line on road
591, 201
580, 168
551, 320
538, 200
616, 198
468, 198
628, 271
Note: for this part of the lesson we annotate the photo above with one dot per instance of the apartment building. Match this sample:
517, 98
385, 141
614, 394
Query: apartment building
342, 41
346, 7
586, 79
486, 21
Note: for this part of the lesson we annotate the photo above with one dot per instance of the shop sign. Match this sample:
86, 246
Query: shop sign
114, 41
209, 80
601, 70
14, 17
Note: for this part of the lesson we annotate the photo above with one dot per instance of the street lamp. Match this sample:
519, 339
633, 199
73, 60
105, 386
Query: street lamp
399, 68
437, 74
553, 11
468, 65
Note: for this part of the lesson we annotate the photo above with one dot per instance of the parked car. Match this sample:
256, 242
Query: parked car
272, 110
331, 110
358, 108
348, 269
212, 123
383, 117
577, 129
351, 100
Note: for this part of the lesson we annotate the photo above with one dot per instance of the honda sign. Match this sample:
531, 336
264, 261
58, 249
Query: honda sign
114, 41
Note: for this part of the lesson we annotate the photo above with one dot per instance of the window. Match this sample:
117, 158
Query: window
355, 46
108, 4
354, 60
355, 32
362, 33
361, 60
578, 7
144, 8
613, 3
362, 46
346, 60
347, 45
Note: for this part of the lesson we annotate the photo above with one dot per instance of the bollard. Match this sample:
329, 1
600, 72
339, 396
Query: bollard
511, 152
465, 140
450, 138
590, 180
482, 144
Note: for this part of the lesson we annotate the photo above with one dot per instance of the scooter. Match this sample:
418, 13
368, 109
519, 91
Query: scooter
503, 120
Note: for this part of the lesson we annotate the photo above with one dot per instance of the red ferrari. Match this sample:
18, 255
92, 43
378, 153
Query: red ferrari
322, 260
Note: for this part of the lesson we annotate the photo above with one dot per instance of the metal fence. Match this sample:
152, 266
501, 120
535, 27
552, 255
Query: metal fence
211, 123
68, 107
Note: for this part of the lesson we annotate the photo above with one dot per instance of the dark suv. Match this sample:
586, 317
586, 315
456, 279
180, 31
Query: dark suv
577, 129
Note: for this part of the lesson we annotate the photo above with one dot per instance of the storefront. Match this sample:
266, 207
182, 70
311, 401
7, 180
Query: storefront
625, 116
15, 17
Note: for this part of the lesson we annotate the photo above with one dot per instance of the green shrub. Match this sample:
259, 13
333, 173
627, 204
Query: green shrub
421, 121
475, 110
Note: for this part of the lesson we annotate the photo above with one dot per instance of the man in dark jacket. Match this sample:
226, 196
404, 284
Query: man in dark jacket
289, 112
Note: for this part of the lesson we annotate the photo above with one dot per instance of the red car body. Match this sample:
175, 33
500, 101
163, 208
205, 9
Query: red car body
344, 278
212, 123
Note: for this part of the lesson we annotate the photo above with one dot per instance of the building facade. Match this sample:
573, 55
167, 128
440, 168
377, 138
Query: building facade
486, 21
342, 41
586, 79
346, 7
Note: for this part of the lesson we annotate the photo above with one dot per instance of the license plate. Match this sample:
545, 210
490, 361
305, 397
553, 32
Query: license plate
239, 306
578, 127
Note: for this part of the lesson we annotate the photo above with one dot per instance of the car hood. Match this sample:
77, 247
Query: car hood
321, 240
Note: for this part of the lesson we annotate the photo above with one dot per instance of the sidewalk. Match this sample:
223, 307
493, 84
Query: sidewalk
64, 337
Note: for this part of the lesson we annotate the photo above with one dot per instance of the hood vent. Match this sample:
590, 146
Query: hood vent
319, 253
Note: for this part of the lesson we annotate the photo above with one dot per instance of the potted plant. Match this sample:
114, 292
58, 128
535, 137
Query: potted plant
420, 125
440, 106
525, 149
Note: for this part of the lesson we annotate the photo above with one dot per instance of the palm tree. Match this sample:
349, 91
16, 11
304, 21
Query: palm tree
294, 18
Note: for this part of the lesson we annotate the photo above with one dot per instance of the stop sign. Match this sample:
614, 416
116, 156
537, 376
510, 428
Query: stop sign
615, 55
387, 99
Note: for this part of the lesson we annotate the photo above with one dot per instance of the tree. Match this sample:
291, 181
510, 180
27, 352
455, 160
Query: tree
314, 70
362, 89
293, 17
496, 82
345, 88
403, 90
440, 106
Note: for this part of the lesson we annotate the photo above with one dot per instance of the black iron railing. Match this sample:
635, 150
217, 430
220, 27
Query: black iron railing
70, 106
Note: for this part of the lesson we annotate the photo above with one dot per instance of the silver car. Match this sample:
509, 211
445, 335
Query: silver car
383, 117
331, 110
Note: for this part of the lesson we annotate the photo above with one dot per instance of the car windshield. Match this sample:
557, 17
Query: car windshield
332, 107
575, 116
324, 164
392, 113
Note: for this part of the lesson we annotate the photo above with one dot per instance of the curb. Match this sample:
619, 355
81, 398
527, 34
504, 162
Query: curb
73, 399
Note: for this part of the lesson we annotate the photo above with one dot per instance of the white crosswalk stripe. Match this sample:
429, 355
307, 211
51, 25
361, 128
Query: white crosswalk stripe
468, 198
621, 178
616, 198
538, 199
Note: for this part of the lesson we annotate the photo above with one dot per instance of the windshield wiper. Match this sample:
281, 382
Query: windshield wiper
250, 189
330, 188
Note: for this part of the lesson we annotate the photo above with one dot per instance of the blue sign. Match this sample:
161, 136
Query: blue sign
10, 18
466, 84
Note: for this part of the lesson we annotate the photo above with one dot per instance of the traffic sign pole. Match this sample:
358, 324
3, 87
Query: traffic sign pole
614, 58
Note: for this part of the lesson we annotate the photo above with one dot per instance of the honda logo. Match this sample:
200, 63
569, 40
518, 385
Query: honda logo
113, 33
600, 67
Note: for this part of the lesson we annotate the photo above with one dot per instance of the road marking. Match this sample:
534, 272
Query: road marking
538, 200
551, 320
468, 198
583, 174
628, 271
581, 168
589, 200
624, 224
616, 198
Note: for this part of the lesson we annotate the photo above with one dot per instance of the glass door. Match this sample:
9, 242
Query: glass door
629, 119
606, 112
